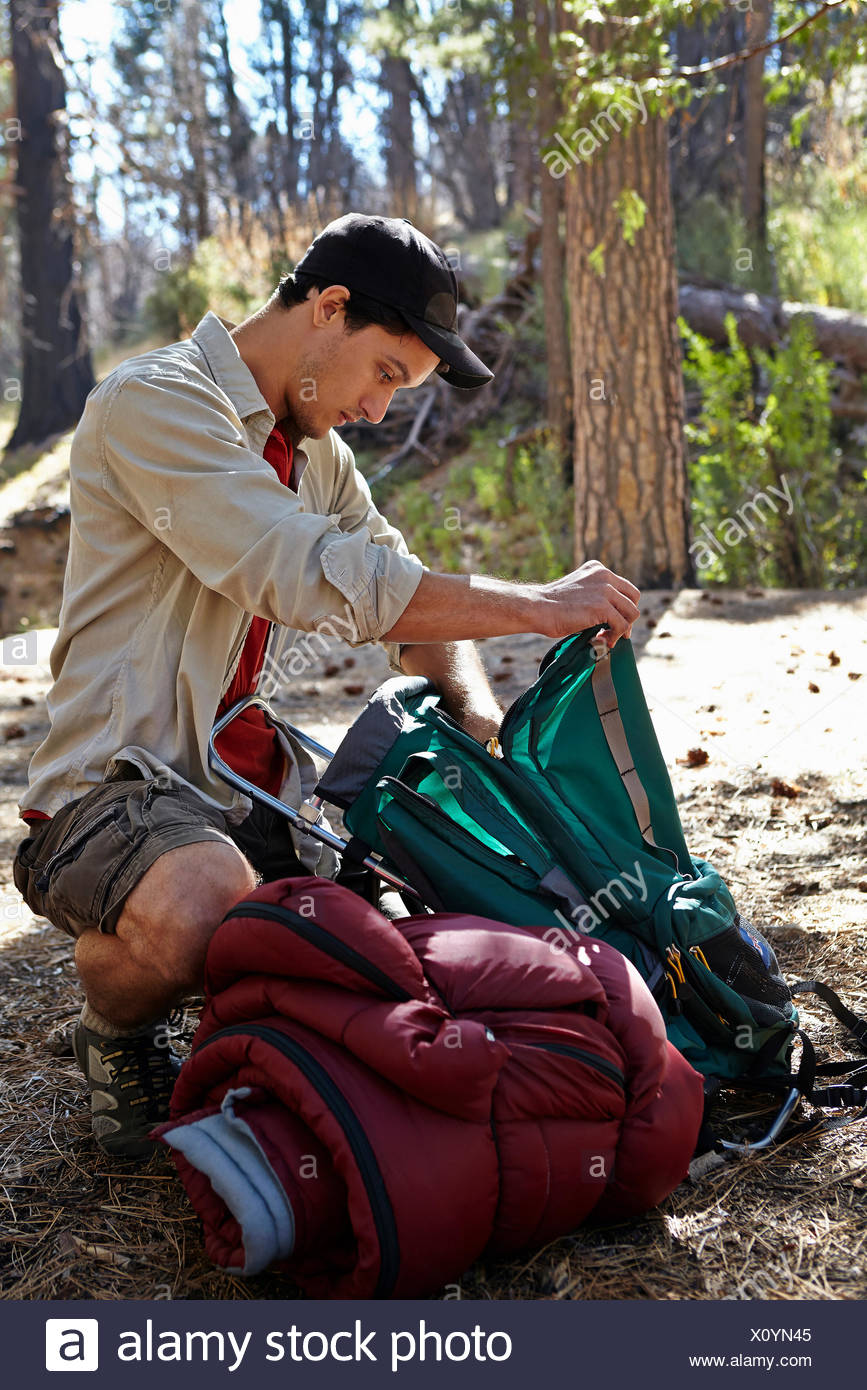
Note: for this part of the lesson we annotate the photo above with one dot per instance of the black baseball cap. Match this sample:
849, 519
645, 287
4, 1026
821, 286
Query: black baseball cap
390, 260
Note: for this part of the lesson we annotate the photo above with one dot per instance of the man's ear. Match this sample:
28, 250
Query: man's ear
331, 301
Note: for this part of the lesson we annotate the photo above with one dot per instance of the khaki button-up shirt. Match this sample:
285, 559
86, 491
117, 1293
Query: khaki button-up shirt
181, 532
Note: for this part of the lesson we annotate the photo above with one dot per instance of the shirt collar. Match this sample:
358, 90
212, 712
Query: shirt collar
228, 367
229, 370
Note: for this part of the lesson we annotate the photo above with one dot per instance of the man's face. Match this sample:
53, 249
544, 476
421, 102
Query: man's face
350, 376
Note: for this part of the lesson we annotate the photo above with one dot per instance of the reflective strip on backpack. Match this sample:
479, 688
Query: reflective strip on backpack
615, 736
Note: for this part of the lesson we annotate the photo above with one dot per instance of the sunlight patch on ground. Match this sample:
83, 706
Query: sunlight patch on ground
781, 694
41, 484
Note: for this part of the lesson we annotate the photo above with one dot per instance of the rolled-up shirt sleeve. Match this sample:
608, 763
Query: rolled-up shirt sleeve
174, 454
353, 502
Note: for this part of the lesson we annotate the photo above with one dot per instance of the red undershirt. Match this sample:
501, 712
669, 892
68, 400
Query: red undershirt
248, 745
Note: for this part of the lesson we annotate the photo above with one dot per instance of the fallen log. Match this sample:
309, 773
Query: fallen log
764, 322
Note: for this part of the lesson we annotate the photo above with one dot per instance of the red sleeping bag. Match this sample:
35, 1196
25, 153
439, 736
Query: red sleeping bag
372, 1105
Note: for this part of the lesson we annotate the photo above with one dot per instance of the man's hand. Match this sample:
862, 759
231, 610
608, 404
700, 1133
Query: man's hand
587, 596
481, 726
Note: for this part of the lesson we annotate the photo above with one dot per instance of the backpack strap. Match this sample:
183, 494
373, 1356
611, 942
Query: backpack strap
605, 695
838, 1096
852, 1091
854, 1025
843, 1094
615, 736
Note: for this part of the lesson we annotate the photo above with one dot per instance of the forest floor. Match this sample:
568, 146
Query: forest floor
771, 688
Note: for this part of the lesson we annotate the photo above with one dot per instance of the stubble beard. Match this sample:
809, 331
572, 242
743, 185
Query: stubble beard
312, 370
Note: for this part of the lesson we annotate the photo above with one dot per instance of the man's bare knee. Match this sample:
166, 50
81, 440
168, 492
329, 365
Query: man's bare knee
197, 879
173, 911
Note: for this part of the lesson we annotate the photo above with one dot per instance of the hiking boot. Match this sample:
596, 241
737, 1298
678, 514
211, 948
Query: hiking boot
130, 1080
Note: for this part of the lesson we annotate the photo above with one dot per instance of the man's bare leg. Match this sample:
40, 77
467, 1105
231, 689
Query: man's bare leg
157, 953
134, 976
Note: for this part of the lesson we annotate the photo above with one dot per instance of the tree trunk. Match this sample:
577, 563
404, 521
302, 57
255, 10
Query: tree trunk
755, 126
559, 388
763, 321
195, 110
284, 21
441, 166
631, 498
705, 133
481, 181
56, 369
315, 74
240, 134
397, 81
522, 153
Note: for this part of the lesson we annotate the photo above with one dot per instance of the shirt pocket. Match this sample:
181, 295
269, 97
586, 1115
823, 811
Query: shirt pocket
349, 563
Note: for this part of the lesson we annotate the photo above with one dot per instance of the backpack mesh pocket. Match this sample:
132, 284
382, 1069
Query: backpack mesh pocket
737, 956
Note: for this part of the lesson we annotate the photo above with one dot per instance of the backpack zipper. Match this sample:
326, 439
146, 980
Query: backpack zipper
698, 953
325, 941
713, 1027
362, 1150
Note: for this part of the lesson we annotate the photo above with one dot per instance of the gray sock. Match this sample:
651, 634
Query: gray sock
98, 1024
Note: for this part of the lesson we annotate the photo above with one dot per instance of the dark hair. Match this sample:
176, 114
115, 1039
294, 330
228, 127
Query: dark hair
359, 311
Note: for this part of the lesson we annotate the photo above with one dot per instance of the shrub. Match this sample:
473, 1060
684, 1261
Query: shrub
769, 502
223, 274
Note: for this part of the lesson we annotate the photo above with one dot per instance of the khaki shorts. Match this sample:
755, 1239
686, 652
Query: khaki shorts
78, 868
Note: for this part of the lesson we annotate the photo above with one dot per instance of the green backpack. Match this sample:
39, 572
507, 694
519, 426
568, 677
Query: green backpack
570, 827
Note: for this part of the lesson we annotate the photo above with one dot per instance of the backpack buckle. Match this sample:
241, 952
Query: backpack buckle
674, 974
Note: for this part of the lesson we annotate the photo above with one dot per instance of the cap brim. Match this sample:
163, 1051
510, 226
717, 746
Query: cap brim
460, 367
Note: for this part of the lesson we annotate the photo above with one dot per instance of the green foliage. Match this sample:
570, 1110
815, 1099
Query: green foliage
506, 512
712, 240
631, 209
611, 48
818, 230
596, 259
544, 507
817, 222
220, 275
432, 529
769, 503
484, 258
442, 38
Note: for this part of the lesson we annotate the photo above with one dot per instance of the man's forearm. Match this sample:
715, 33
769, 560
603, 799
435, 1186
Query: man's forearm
448, 609
452, 607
